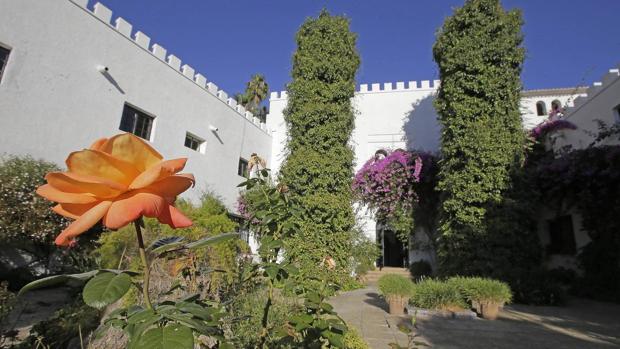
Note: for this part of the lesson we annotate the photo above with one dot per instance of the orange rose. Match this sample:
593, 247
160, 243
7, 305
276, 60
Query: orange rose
118, 180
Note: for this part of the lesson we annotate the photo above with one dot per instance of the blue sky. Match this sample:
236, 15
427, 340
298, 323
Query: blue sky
568, 42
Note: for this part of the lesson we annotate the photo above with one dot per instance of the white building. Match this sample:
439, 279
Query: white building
402, 115
70, 75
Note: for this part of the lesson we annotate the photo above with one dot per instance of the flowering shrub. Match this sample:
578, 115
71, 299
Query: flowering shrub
387, 186
550, 126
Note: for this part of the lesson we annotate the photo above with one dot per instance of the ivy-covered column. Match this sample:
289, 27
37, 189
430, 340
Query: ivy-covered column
320, 119
480, 56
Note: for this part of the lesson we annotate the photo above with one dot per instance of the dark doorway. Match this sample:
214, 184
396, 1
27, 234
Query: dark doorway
393, 249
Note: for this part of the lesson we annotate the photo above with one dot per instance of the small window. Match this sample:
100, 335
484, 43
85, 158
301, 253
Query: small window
556, 106
136, 122
541, 108
194, 142
242, 170
4, 57
562, 236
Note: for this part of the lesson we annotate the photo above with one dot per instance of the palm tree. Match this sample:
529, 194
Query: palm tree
256, 91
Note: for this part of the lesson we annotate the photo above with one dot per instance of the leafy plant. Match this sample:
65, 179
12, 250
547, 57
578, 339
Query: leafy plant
353, 340
435, 294
317, 324
480, 56
319, 164
395, 285
481, 290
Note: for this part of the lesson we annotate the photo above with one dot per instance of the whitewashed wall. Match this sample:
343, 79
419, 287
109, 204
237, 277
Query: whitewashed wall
601, 102
53, 100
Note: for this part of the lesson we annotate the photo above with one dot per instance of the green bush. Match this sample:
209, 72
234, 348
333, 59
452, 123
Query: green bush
437, 295
318, 168
395, 285
538, 287
420, 269
364, 252
353, 340
244, 320
480, 290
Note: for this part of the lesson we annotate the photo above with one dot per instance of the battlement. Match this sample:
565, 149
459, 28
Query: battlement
597, 87
400, 86
104, 14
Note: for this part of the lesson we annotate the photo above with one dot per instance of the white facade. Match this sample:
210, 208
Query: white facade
57, 97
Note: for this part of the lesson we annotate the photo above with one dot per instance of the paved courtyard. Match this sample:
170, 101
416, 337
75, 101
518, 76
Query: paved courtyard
580, 324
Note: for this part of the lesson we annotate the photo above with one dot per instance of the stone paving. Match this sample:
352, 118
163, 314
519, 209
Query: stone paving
580, 324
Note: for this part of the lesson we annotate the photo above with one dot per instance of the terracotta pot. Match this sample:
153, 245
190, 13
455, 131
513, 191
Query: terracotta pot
397, 304
490, 310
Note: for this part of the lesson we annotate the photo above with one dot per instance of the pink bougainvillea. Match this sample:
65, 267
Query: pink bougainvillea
550, 126
387, 184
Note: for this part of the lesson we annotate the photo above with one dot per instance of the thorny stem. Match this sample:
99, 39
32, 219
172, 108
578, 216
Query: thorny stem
145, 286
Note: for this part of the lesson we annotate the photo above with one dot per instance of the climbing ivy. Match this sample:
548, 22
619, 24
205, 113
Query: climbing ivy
480, 56
319, 118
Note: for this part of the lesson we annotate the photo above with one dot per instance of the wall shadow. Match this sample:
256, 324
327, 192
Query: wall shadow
421, 126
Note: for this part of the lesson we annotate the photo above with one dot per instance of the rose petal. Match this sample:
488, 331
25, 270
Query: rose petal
99, 164
74, 183
133, 205
82, 224
73, 211
98, 144
158, 172
172, 186
133, 150
174, 218
53, 194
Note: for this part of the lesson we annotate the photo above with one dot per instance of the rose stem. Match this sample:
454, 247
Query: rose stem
145, 286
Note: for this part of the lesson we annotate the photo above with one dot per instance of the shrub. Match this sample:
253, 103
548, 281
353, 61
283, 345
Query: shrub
420, 269
23, 214
482, 139
319, 164
395, 285
353, 340
439, 295
481, 290
364, 252
538, 287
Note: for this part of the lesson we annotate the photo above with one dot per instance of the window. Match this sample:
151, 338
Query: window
617, 114
556, 105
194, 142
4, 57
136, 122
562, 236
541, 108
242, 170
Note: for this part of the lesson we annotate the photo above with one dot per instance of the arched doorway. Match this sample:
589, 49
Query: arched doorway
394, 253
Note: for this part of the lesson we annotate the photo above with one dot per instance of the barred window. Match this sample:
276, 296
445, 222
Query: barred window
136, 122
194, 142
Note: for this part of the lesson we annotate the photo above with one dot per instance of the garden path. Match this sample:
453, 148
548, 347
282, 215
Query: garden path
580, 324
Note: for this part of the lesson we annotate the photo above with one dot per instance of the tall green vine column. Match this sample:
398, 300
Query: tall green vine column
480, 57
319, 116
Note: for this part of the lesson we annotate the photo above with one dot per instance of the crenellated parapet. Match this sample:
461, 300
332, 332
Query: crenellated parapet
140, 39
400, 86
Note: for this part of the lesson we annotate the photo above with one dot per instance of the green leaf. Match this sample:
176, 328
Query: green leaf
335, 339
212, 240
173, 336
56, 280
165, 244
106, 288
198, 311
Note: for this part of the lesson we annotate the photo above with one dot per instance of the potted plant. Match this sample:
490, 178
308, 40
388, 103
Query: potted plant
396, 289
486, 296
